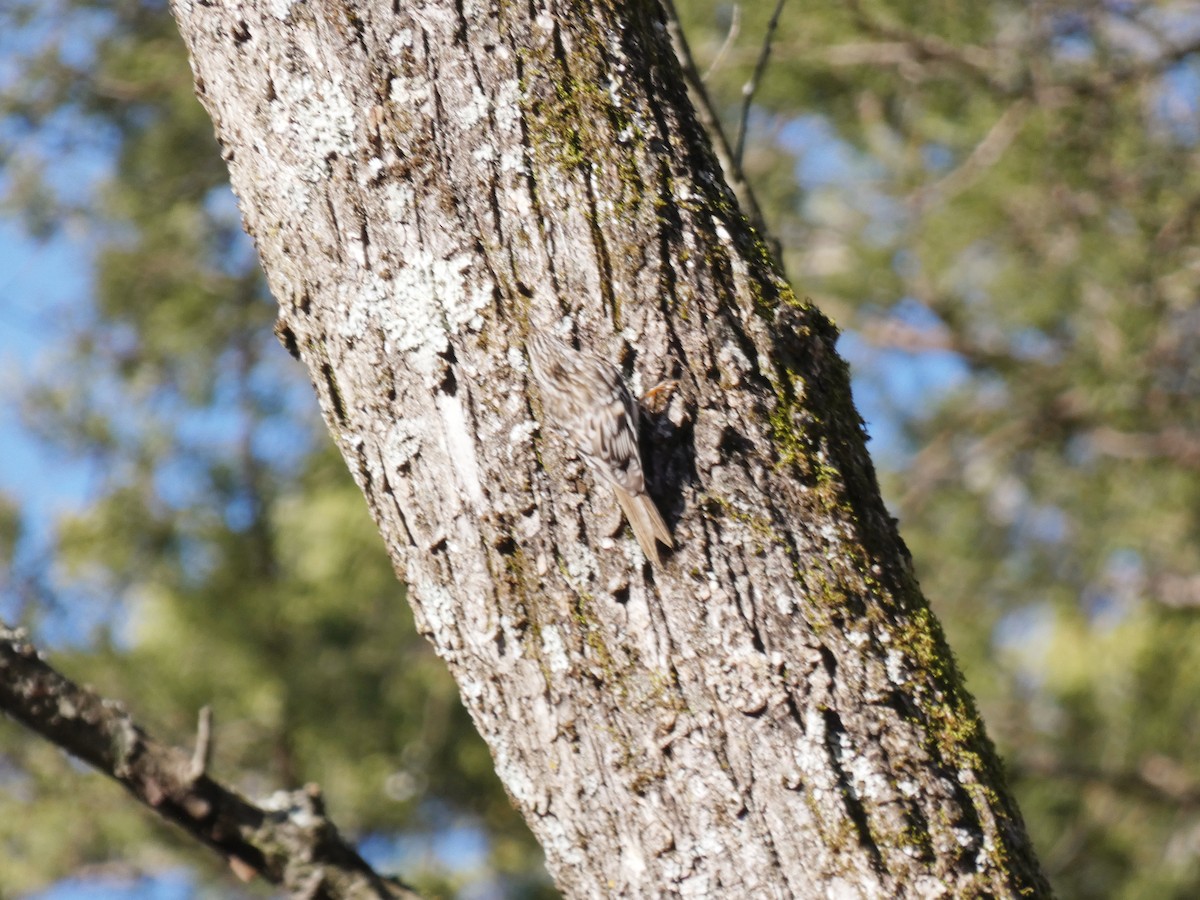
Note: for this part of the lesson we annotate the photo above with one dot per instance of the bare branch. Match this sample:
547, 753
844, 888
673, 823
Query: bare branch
985, 154
1180, 445
751, 86
976, 61
906, 46
1142, 69
1157, 778
203, 752
735, 27
1177, 591
711, 123
287, 840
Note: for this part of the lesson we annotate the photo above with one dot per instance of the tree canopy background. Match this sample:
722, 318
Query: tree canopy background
997, 202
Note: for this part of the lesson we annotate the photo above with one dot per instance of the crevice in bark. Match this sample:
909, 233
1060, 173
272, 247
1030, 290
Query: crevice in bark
733, 444
364, 235
333, 218
600, 247
529, 164
460, 35
570, 117
287, 337
493, 170
829, 661
852, 803
796, 716
667, 218
399, 512
333, 395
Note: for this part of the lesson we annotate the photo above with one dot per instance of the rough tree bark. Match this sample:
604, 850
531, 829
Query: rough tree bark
774, 711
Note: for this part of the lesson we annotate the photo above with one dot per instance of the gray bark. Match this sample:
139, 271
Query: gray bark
773, 712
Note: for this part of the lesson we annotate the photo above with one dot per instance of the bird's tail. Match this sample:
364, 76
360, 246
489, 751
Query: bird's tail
648, 526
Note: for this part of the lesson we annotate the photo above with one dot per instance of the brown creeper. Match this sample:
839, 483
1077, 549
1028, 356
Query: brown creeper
586, 400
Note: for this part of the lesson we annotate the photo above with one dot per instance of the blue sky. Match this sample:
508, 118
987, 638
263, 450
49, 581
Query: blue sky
44, 285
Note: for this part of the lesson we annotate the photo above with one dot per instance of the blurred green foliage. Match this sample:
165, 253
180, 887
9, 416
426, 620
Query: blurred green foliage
1000, 208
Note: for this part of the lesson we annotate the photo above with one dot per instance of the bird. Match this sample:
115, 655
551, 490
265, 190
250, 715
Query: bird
586, 400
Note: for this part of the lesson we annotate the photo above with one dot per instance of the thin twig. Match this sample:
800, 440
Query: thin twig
985, 154
710, 122
978, 61
1178, 444
751, 86
735, 27
203, 750
983, 63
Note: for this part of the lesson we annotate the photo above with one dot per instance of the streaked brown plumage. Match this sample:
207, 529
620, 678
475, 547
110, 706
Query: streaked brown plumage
586, 399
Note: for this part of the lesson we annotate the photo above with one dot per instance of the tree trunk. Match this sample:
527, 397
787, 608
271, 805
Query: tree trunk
773, 711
